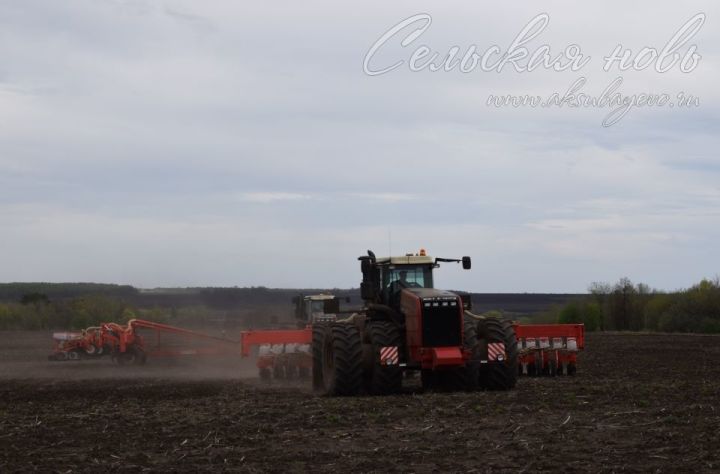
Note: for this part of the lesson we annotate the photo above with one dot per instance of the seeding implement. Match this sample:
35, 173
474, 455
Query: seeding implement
543, 349
285, 354
133, 342
406, 324
549, 349
281, 353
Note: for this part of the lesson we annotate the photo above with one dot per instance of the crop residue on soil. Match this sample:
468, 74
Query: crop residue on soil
639, 403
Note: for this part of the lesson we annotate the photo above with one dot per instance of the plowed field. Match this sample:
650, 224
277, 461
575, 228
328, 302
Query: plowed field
639, 403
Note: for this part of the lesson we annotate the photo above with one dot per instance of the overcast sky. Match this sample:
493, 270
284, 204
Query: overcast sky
186, 143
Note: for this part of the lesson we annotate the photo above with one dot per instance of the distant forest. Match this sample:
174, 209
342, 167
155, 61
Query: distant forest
80, 305
621, 306
625, 306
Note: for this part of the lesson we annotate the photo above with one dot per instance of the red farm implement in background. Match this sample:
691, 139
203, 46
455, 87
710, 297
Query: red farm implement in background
281, 353
287, 353
549, 349
133, 342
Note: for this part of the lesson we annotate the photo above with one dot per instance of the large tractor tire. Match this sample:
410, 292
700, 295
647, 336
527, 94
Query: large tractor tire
470, 374
342, 357
318, 338
497, 375
382, 379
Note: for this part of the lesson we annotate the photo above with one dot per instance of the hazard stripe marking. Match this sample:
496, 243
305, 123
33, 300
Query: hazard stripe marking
389, 355
496, 351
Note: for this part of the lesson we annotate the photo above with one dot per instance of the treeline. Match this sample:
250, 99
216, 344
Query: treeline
32, 306
228, 298
16, 291
625, 306
233, 298
38, 312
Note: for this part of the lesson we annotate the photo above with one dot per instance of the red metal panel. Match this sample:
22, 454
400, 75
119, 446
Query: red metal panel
411, 307
577, 331
447, 356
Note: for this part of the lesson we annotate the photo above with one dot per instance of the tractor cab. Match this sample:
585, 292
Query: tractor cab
315, 308
384, 278
395, 277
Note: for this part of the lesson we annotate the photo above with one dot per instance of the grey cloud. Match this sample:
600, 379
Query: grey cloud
228, 133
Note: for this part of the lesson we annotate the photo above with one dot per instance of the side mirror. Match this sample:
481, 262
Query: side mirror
467, 263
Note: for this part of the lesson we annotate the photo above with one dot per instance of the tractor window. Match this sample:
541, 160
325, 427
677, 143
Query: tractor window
317, 307
399, 277
395, 278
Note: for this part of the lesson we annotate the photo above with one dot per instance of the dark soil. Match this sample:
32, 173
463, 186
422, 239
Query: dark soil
639, 403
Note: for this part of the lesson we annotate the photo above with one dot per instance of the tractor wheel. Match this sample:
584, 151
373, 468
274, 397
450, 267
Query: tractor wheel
342, 353
471, 371
500, 374
381, 379
318, 337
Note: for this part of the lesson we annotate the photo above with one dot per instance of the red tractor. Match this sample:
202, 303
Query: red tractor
407, 324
